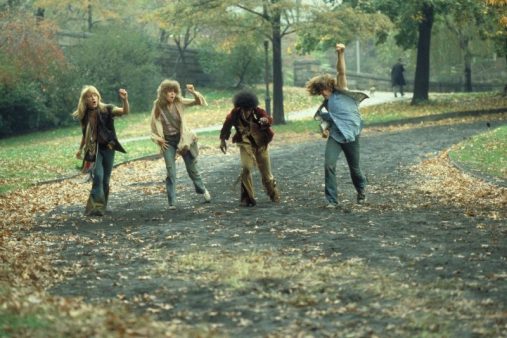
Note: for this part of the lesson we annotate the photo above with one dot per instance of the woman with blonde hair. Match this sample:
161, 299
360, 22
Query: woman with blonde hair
171, 133
99, 142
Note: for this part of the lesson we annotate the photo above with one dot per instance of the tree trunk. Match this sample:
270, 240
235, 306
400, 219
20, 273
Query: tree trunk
163, 36
422, 70
181, 71
278, 113
90, 18
468, 70
464, 44
505, 47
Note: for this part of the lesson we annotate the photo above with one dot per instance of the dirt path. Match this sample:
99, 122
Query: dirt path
402, 265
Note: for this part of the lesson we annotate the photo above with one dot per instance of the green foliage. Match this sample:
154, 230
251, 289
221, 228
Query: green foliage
22, 107
31, 63
342, 23
15, 323
118, 57
236, 67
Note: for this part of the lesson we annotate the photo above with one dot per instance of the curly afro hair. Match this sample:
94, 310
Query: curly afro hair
245, 99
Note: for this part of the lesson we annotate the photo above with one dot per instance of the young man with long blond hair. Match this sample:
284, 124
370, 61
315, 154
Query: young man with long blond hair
345, 125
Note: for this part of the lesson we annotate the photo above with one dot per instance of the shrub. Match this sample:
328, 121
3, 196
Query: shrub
117, 57
236, 67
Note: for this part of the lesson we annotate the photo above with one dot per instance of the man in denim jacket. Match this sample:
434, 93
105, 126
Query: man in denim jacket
345, 126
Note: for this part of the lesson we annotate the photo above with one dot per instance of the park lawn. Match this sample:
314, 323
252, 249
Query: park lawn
485, 152
219, 105
43, 156
437, 104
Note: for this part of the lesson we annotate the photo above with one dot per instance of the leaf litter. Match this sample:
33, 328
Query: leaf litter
424, 263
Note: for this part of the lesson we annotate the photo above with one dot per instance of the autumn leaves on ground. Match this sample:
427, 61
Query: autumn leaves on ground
425, 256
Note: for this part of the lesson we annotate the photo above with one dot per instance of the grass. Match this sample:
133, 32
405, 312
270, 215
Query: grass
15, 323
438, 104
41, 156
486, 153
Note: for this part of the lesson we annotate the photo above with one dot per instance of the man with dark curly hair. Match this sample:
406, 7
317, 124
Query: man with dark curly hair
253, 134
345, 124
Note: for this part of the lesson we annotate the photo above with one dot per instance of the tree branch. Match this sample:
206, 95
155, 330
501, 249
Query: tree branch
262, 15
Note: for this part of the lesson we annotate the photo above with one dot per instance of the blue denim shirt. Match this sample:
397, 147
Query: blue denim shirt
343, 113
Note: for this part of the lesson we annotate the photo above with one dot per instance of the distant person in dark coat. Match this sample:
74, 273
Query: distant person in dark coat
397, 78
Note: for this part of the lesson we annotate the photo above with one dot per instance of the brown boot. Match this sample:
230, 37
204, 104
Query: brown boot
94, 208
246, 199
273, 192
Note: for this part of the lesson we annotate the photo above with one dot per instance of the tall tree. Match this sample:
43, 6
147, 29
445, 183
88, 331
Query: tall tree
274, 19
279, 19
422, 70
414, 21
181, 22
233, 60
466, 18
498, 11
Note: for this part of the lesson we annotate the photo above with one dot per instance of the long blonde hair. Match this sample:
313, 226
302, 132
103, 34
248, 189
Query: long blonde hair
162, 89
81, 106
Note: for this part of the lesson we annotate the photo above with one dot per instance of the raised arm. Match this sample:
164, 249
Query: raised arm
341, 77
125, 100
198, 97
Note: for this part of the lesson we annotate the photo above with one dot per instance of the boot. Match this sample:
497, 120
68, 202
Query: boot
94, 208
246, 199
273, 192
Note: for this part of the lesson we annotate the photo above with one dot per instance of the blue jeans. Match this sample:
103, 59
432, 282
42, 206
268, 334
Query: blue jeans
101, 172
193, 173
351, 151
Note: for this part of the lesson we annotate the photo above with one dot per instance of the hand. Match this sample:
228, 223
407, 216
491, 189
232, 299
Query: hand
123, 94
340, 47
263, 120
190, 88
163, 145
78, 155
223, 146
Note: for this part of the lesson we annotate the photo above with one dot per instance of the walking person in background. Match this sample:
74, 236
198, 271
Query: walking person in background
397, 78
171, 133
253, 134
345, 125
99, 143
